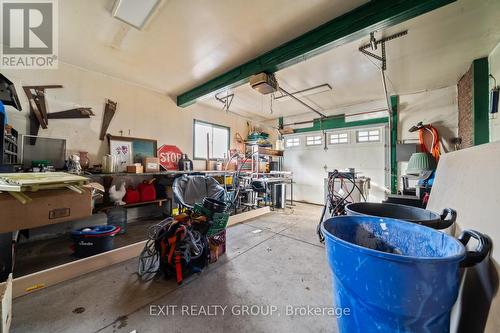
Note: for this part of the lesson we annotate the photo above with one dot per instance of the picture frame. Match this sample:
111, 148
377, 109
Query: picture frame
129, 150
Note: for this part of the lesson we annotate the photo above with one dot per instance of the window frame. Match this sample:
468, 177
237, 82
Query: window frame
292, 138
314, 144
368, 136
206, 123
338, 138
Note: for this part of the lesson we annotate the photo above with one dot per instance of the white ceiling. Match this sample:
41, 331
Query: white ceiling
188, 42
436, 52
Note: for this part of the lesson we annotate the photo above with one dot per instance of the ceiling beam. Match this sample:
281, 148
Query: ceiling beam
356, 24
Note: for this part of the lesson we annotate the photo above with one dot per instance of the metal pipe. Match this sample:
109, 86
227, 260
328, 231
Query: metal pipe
301, 102
303, 91
386, 94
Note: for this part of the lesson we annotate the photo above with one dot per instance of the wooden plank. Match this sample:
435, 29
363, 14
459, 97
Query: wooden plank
358, 23
6, 305
270, 152
33, 282
39, 178
39, 280
242, 217
49, 86
34, 111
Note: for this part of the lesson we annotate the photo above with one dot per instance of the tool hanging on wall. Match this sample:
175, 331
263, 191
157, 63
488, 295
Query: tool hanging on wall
423, 131
39, 116
109, 113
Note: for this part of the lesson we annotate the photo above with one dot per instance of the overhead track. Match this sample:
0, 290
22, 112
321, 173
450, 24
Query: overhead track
374, 15
301, 102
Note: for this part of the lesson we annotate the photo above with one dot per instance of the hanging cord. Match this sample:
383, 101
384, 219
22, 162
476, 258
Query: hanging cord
149, 258
335, 201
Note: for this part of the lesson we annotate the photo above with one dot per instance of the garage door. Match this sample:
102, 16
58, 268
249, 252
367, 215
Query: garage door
307, 156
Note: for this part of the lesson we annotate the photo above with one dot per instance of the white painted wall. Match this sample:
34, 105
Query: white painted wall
437, 107
310, 164
141, 112
494, 63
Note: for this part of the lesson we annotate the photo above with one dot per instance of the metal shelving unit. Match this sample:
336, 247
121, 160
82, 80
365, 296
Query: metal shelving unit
9, 149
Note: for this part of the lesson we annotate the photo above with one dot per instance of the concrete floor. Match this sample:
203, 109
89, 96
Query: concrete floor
271, 262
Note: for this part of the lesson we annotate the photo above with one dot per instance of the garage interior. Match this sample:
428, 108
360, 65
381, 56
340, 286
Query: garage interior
249, 166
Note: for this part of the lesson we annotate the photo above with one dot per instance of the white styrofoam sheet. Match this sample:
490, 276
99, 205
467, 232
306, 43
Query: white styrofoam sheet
469, 182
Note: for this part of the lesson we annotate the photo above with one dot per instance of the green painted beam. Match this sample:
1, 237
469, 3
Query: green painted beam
339, 122
480, 101
280, 122
356, 24
394, 140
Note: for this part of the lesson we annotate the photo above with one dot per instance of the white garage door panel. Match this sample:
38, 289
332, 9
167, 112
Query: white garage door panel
308, 165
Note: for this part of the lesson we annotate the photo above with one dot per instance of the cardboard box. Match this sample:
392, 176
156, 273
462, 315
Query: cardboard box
135, 168
47, 207
151, 164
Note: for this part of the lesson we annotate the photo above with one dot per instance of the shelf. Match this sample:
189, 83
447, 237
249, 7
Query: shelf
159, 202
270, 152
158, 173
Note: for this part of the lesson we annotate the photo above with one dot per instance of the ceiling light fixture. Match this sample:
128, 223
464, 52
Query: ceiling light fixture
135, 13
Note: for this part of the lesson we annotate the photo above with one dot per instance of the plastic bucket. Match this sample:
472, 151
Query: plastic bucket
89, 241
402, 212
393, 276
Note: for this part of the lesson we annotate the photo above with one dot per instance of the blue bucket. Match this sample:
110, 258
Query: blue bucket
93, 240
393, 276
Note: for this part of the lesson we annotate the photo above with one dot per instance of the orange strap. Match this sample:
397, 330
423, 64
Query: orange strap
178, 267
171, 243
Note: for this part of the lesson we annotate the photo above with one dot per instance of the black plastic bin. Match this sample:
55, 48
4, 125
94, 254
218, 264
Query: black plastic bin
407, 213
90, 241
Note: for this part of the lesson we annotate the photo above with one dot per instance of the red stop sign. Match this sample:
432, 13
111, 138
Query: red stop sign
169, 157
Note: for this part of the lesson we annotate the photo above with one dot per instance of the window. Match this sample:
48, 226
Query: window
218, 140
292, 142
314, 140
368, 135
337, 138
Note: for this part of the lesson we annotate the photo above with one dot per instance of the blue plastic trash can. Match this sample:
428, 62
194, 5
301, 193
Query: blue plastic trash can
394, 276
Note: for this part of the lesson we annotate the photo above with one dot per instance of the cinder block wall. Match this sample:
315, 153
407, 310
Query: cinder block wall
465, 124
